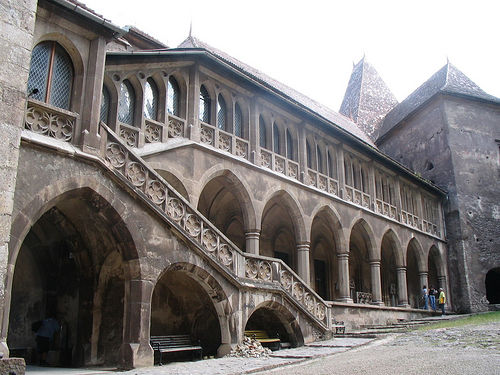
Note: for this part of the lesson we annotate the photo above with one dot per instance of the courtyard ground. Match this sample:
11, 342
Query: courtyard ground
464, 346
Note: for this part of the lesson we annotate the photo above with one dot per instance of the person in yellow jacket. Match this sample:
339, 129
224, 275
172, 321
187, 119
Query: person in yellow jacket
441, 300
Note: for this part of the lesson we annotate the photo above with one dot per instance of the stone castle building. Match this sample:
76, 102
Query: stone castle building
148, 190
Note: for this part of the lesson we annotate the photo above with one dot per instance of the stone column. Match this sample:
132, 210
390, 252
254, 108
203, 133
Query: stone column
302, 152
136, 350
193, 101
341, 171
252, 241
93, 95
442, 284
343, 278
402, 287
303, 262
376, 285
423, 277
16, 40
253, 132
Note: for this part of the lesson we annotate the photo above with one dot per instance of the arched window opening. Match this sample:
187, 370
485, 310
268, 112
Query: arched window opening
150, 99
492, 284
221, 113
309, 156
205, 103
332, 170
319, 156
173, 97
51, 75
276, 139
289, 145
105, 101
238, 121
126, 103
262, 133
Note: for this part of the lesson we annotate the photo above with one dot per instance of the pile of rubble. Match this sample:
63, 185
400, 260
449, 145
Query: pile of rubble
250, 348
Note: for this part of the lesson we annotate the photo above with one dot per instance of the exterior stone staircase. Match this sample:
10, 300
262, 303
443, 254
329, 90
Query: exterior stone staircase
192, 227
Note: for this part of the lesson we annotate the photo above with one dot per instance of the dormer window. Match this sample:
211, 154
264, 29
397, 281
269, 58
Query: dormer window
51, 75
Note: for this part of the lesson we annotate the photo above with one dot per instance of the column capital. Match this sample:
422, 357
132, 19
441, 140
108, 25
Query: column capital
343, 256
401, 269
252, 233
374, 262
303, 246
423, 273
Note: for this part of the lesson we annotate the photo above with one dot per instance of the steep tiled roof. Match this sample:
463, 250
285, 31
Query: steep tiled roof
447, 80
323, 111
367, 98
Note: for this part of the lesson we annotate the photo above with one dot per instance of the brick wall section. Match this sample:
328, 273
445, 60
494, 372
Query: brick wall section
16, 33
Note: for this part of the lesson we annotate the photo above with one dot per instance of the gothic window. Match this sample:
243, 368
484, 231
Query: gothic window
105, 101
150, 99
319, 157
173, 96
289, 145
238, 121
126, 103
262, 133
308, 155
205, 103
276, 139
221, 113
51, 75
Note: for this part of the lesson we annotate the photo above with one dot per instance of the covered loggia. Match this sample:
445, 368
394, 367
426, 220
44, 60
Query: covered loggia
225, 202
72, 266
414, 266
436, 268
276, 321
323, 254
359, 264
184, 304
391, 259
279, 229
174, 182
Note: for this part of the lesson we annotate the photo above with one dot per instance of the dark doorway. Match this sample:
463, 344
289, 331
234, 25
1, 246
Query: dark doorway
320, 278
493, 286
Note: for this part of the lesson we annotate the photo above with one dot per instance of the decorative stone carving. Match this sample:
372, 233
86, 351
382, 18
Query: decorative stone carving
152, 132
209, 240
136, 173
286, 279
156, 191
348, 194
54, 125
251, 268
176, 209
298, 291
366, 200
321, 312
116, 155
241, 149
309, 302
129, 136
293, 170
265, 271
311, 178
175, 128
322, 182
333, 187
225, 255
279, 165
363, 297
265, 159
207, 135
224, 142
193, 225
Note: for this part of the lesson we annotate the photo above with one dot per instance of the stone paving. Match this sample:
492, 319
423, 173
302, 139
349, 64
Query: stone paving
228, 365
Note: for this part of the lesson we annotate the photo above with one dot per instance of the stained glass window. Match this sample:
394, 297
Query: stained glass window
51, 75
105, 101
262, 133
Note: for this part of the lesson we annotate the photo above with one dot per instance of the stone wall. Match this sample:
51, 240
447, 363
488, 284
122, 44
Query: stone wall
16, 33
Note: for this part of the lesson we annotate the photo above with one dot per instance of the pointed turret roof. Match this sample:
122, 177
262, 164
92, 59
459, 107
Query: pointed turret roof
447, 80
367, 98
328, 114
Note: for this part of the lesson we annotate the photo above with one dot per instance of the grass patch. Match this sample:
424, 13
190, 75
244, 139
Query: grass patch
476, 319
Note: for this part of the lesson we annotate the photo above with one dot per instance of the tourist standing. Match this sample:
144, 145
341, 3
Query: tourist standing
425, 296
441, 300
432, 297
45, 336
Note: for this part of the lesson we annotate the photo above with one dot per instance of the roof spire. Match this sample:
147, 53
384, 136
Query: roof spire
190, 28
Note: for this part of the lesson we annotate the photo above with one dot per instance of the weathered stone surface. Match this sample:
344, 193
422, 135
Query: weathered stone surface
12, 366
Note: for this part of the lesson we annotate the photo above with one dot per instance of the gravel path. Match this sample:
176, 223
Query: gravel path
466, 350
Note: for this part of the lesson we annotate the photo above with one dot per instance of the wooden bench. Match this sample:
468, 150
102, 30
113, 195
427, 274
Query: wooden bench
262, 337
339, 327
174, 343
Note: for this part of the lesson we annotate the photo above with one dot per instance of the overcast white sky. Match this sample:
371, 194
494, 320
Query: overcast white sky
311, 45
